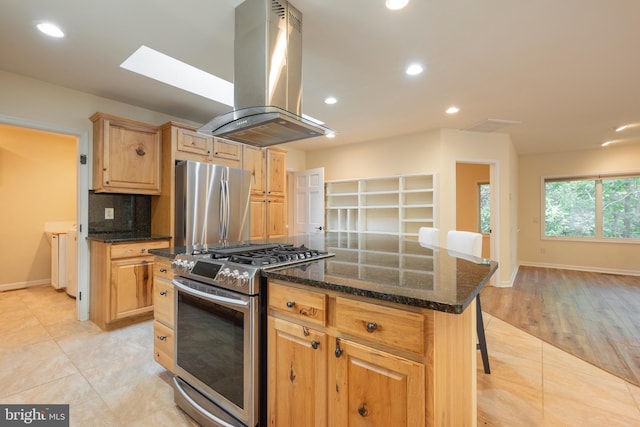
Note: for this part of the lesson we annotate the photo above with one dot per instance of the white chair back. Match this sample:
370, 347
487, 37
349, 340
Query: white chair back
429, 236
466, 242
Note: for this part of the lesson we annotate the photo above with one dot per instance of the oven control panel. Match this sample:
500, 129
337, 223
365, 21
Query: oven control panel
236, 277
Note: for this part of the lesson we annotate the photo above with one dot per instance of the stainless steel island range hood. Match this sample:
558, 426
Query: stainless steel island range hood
267, 78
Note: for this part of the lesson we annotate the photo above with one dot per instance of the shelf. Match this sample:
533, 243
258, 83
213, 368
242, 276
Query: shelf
397, 205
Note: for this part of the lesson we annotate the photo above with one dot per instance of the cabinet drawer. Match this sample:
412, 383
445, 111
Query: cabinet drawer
136, 249
163, 345
302, 304
163, 301
162, 268
386, 325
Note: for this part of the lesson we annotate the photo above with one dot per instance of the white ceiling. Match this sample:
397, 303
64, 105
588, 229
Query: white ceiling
567, 70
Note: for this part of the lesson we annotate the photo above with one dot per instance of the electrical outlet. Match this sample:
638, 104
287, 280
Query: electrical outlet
108, 213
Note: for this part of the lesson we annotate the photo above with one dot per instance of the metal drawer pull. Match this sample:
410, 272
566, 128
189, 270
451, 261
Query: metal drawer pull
291, 304
162, 337
315, 344
338, 351
163, 293
363, 410
163, 270
372, 326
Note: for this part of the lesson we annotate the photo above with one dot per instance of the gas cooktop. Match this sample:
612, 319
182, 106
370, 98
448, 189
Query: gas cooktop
236, 267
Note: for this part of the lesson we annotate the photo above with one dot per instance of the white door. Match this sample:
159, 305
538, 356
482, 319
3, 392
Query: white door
308, 187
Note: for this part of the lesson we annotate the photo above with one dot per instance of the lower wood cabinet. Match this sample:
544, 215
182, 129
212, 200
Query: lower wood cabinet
375, 388
337, 360
317, 377
121, 282
297, 373
163, 314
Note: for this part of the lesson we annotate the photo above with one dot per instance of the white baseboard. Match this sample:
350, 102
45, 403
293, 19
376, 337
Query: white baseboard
22, 285
582, 268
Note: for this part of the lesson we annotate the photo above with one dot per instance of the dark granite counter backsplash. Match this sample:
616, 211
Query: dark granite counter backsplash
131, 214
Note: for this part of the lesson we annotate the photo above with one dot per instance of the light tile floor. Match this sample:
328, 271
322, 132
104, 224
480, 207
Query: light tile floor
110, 378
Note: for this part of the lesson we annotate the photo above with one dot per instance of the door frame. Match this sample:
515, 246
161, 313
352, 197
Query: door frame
82, 192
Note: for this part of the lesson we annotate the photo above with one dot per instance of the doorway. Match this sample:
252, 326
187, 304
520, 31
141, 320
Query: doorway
47, 163
475, 202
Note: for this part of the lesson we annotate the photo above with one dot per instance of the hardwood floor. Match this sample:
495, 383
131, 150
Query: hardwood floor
593, 316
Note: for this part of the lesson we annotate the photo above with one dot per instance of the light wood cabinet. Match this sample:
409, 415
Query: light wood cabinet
121, 282
297, 375
163, 313
188, 144
367, 362
126, 156
268, 191
375, 388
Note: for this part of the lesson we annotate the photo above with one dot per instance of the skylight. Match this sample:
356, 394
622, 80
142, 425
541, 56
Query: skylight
168, 70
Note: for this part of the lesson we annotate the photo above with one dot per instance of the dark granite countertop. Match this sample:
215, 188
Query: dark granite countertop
124, 237
384, 267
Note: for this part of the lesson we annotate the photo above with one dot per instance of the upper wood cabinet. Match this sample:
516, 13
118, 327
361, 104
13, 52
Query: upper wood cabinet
187, 144
268, 190
126, 156
276, 172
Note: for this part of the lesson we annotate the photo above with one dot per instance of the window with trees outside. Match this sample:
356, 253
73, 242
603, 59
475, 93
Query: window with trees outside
596, 207
484, 207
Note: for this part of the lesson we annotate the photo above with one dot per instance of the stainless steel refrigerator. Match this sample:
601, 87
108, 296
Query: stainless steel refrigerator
212, 205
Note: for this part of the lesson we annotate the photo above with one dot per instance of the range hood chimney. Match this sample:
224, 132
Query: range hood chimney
267, 78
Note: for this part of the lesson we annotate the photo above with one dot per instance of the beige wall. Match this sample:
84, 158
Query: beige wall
595, 256
37, 185
437, 152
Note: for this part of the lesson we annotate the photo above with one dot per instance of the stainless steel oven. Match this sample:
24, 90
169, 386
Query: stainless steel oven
216, 354
220, 331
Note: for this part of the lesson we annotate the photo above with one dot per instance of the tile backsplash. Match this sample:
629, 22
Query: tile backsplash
131, 213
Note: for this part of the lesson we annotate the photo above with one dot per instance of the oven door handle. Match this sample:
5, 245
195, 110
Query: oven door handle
230, 302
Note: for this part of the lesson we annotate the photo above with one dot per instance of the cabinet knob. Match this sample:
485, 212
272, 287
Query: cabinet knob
291, 304
163, 270
163, 293
162, 337
142, 250
140, 151
372, 326
338, 351
315, 344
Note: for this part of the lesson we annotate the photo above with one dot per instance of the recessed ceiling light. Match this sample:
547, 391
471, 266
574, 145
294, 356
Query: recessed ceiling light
168, 70
50, 29
452, 110
330, 100
414, 69
330, 135
396, 4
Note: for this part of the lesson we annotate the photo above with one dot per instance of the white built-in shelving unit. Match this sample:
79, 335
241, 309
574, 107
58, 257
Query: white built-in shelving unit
397, 205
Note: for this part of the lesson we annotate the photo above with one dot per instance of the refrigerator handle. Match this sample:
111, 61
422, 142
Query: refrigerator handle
222, 210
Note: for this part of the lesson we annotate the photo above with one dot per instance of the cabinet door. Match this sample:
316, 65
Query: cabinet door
131, 160
131, 287
276, 172
276, 218
195, 143
375, 389
297, 372
253, 161
258, 218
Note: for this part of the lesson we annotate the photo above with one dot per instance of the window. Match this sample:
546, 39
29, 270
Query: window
592, 207
484, 207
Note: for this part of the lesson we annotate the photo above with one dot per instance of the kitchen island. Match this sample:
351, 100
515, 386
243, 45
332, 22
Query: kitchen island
383, 333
